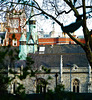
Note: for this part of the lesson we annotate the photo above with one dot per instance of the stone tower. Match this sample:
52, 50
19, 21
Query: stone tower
22, 48
32, 39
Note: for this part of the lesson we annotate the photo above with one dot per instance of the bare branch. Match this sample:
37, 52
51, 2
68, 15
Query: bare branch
30, 18
36, 3
53, 5
72, 7
73, 38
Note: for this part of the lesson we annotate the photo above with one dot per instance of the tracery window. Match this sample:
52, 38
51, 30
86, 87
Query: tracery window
76, 86
41, 85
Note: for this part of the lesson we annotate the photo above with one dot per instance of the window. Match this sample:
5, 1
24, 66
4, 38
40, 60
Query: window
41, 85
41, 50
14, 42
76, 86
0, 40
14, 87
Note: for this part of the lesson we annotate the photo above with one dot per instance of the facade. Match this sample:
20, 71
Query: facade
68, 65
58, 40
28, 43
15, 26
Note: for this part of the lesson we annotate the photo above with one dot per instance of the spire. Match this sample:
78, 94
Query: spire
52, 33
32, 13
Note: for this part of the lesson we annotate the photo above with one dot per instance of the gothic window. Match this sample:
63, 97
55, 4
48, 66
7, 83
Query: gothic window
76, 86
41, 85
14, 87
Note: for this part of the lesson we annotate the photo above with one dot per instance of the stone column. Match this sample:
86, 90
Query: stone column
89, 79
61, 68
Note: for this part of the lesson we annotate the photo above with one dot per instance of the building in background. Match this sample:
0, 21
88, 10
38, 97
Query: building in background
69, 66
54, 53
15, 26
32, 35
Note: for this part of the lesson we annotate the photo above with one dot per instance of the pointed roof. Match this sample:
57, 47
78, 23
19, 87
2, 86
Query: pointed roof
29, 37
23, 38
32, 13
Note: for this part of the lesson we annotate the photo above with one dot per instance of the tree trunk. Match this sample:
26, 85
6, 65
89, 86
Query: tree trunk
88, 54
86, 48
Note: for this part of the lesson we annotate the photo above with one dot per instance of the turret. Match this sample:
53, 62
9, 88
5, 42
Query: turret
32, 35
22, 48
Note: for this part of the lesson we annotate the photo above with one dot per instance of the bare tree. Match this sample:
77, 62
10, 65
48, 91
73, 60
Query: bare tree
57, 9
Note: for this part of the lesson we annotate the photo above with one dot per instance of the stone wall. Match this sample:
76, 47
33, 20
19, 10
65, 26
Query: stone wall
80, 74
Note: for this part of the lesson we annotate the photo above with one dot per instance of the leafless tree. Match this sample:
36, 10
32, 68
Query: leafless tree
59, 11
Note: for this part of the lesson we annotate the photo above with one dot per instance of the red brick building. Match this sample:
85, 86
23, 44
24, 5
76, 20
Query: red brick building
58, 40
15, 26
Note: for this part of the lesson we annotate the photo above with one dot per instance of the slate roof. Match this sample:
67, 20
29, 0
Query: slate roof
54, 60
63, 48
72, 54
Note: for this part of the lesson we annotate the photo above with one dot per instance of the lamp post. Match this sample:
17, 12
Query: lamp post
56, 75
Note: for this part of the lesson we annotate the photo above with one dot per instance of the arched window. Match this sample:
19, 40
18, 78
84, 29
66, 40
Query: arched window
41, 85
14, 87
76, 85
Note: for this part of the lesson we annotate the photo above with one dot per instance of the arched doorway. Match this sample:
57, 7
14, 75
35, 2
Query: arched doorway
76, 85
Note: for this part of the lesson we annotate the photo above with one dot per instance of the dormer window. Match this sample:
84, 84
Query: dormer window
75, 67
41, 50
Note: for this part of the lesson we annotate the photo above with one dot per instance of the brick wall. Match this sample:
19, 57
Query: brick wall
59, 40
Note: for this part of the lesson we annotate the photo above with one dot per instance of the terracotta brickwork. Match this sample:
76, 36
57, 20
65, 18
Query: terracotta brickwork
17, 37
15, 20
59, 40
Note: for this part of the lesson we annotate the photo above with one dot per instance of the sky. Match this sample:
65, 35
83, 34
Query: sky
47, 25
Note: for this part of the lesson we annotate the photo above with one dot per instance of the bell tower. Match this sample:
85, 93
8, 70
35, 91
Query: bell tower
32, 39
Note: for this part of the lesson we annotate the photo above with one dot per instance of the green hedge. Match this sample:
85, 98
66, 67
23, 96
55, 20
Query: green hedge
49, 96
